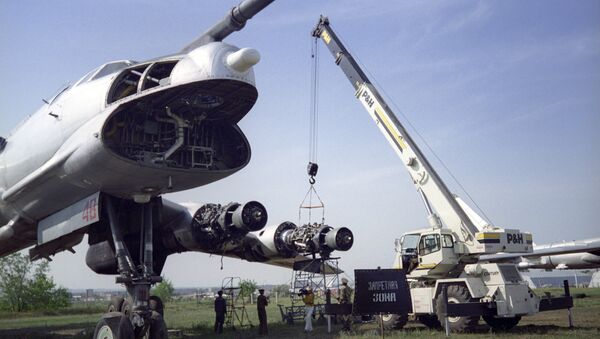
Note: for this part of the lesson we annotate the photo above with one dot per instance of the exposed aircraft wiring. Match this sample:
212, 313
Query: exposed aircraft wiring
222, 256
397, 109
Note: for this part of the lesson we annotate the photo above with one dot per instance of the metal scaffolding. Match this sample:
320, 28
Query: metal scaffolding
236, 314
321, 280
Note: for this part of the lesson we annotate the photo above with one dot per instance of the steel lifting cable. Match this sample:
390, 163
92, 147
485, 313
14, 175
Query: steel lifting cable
313, 138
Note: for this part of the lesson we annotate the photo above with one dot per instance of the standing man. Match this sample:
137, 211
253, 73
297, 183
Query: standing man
309, 307
345, 297
261, 304
220, 310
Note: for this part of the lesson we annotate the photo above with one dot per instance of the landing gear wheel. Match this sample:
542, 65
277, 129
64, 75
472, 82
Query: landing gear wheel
114, 325
156, 304
394, 321
158, 327
501, 324
126, 307
115, 304
119, 304
430, 320
457, 294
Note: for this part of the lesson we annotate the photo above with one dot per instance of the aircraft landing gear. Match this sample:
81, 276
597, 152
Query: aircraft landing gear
113, 325
139, 315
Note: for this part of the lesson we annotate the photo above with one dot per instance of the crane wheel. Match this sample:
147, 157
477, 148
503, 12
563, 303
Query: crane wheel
501, 324
394, 321
457, 294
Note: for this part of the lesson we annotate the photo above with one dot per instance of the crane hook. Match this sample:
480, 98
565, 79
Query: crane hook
312, 170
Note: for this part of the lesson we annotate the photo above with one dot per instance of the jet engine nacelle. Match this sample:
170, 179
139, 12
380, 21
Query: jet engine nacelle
339, 239
213, 226
287, 240
210, 228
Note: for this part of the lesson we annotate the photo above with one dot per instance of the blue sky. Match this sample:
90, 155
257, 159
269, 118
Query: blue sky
505, 92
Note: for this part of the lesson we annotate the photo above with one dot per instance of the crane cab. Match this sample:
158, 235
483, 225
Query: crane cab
430, 253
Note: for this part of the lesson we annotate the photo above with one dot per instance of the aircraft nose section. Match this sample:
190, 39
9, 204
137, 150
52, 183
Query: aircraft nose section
214, 61
243, 59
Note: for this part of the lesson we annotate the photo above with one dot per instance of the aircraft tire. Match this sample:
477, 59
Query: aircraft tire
501, 324
394, 321
115, 304
457, 294
114, 325
119, 304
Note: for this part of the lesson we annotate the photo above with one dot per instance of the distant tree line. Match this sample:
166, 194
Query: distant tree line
26, 286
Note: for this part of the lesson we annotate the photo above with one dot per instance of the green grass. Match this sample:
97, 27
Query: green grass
196, 320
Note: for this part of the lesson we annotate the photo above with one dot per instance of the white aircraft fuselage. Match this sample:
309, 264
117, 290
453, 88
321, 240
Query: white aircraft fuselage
578, 254
577, 260
95, 159
130, 130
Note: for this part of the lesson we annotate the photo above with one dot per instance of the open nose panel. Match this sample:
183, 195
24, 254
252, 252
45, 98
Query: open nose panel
191, 126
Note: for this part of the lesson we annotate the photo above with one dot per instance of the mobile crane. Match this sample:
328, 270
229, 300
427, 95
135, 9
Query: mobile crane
447, 252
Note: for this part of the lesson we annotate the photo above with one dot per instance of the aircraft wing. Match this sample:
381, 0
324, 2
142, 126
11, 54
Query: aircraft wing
586, 246
249, 248
16, 235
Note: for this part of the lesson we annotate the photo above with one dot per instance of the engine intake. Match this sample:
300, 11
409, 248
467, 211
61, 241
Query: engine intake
339, 239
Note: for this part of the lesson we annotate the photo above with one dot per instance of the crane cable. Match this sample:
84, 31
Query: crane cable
313, 139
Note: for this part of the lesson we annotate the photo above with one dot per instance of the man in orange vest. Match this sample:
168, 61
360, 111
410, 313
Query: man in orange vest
309, 308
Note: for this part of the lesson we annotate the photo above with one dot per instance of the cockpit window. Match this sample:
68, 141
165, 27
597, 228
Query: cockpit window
140, 78
104, 70
111, 68
63, 89
86, 77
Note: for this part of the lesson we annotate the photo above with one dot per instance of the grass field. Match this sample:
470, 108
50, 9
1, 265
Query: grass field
192, 320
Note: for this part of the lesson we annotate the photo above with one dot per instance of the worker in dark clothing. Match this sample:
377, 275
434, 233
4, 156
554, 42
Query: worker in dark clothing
345, 297
261, 304
220, 310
